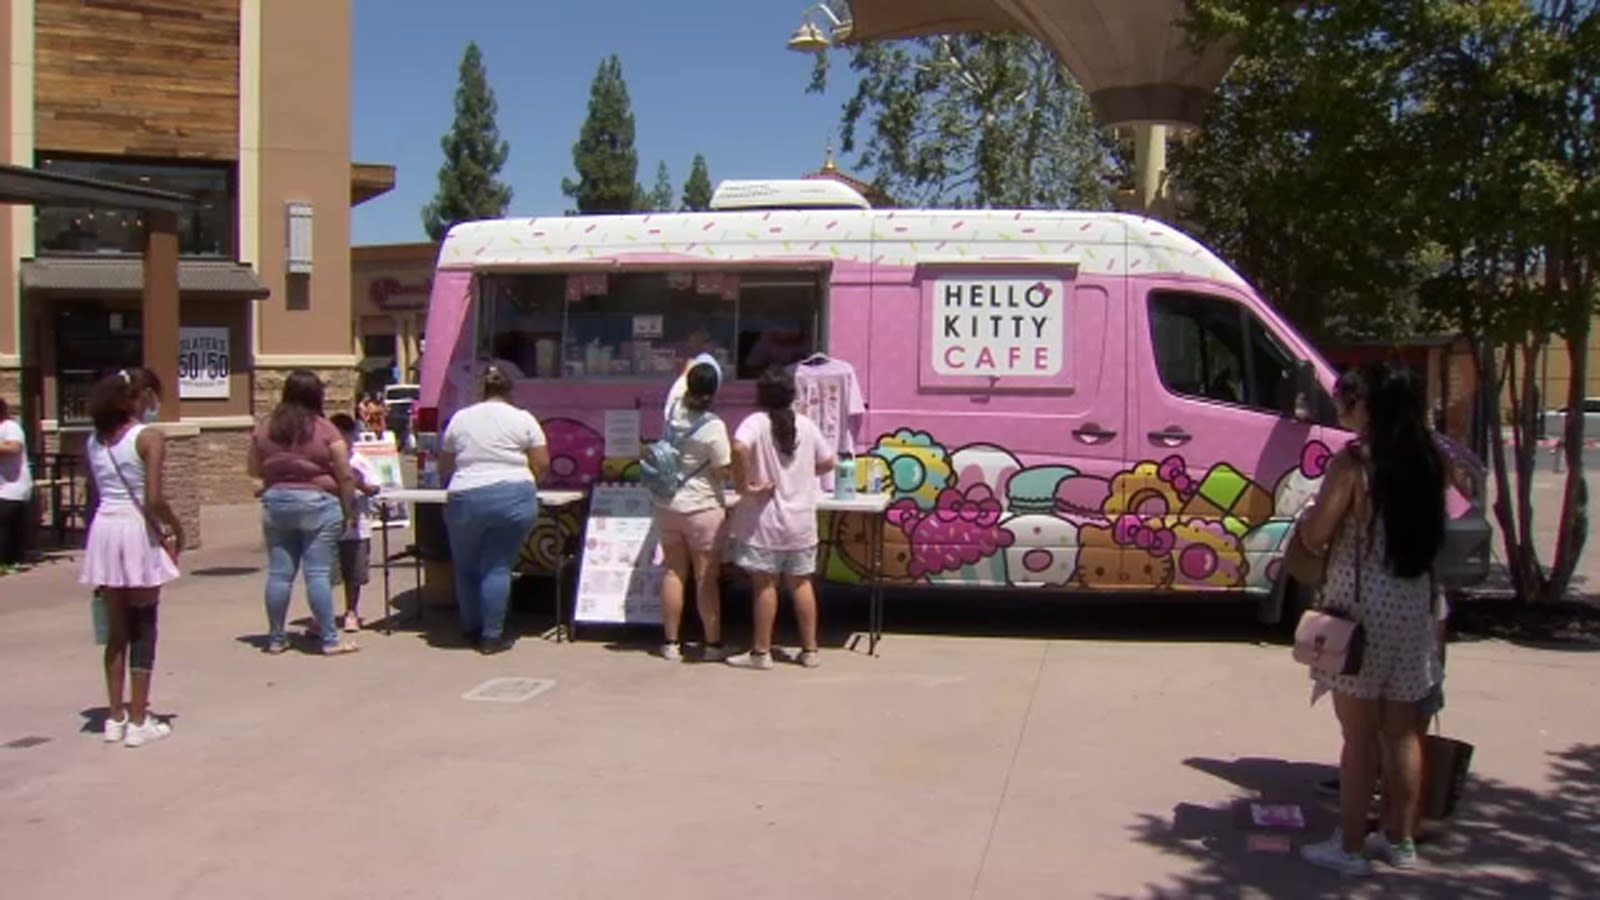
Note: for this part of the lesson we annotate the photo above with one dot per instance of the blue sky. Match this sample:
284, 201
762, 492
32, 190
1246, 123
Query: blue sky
712, 77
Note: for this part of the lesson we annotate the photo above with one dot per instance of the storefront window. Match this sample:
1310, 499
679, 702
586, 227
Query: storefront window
205, 226
90, 340
644, 325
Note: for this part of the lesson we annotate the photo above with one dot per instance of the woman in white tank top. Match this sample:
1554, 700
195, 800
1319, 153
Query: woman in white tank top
133, 543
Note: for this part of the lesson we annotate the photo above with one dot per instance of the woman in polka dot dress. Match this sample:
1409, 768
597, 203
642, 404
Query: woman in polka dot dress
1380, 514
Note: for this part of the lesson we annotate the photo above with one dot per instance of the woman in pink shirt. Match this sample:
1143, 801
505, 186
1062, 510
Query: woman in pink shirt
307, 502
777, 458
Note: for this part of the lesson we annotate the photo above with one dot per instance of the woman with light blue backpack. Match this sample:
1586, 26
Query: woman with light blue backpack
686, 471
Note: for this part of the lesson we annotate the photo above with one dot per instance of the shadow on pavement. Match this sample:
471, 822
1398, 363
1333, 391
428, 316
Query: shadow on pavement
224, 571
1504, 841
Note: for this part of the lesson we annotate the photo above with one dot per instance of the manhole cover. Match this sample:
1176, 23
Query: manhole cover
25, 742
509, 690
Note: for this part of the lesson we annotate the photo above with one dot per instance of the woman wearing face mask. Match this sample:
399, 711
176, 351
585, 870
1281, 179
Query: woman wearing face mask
1380, 519
133, 542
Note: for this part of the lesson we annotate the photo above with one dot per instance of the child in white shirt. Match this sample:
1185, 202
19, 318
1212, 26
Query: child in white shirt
355, 545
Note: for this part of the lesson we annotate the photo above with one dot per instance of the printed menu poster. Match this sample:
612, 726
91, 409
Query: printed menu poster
619, 580
381, 452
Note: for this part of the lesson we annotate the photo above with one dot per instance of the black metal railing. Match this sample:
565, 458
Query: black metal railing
60, 501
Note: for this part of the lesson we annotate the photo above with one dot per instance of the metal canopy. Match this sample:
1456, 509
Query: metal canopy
20, 184
1133, 57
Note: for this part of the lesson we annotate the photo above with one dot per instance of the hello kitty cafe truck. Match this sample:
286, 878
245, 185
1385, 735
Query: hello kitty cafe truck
1067, 401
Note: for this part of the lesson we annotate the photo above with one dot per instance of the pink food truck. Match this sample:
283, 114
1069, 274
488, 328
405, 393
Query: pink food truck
1069, 401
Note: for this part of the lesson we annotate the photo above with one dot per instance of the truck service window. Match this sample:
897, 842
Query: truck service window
633, 325
1214, 349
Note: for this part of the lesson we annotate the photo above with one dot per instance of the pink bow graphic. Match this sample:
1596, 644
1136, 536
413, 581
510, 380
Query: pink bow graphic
1148, 535
1174, 472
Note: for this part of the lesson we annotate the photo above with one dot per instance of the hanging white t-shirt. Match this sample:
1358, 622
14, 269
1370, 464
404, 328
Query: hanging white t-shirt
490, 442
16, 476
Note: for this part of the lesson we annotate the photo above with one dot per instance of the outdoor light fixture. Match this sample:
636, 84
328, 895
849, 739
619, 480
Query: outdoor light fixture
298, 255
809, 38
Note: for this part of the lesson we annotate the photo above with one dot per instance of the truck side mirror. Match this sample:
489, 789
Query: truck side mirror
1305, 387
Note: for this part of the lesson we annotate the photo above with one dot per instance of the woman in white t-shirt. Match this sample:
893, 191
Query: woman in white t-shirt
490, 460
16, 489
691, 522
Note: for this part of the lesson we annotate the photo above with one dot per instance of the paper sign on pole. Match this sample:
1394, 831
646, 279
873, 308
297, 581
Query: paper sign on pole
622, 434
619, 580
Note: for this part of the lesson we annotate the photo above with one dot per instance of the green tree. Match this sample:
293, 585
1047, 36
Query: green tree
474, 154
661, 196
697, 187
981, 121
604, 155
1467, 130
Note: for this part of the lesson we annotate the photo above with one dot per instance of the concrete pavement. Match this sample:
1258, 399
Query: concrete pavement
1057, 765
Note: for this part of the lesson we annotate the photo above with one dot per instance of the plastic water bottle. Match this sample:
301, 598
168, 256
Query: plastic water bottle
101, 616
430, 472
874, 478
844, 482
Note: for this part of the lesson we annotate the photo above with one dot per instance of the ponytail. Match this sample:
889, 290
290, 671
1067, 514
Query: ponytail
775, 395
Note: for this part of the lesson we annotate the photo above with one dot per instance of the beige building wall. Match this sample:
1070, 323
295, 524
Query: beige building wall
296, 112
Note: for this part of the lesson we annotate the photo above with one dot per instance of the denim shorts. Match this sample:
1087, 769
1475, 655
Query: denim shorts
776, 562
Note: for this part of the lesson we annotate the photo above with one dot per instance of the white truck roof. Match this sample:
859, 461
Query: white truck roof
1100, 243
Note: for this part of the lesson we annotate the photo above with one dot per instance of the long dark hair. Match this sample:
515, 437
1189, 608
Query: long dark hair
1408, 483
113, 400
700, 387
296, 415
775, 395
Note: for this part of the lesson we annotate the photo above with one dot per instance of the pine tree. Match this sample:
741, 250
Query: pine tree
661, 196
474, 154
607, 163
697, 189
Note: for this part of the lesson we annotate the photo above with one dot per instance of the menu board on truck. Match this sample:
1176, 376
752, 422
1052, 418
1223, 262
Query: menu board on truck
619, 580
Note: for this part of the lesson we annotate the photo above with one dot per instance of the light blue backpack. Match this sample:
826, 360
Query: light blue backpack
661, 466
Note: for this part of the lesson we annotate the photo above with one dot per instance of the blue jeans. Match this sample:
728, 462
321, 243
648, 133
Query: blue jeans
302, 529
488, 526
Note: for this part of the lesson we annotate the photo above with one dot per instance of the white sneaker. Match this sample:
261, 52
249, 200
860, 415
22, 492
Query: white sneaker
150, 730
811, 659
1330, 854
672, 652
1402, 855
115, 729
759, 661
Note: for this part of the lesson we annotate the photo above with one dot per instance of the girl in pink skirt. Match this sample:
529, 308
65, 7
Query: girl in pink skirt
133, 543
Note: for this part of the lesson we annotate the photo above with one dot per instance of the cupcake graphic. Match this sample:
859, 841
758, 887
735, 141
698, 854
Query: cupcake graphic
1298, 485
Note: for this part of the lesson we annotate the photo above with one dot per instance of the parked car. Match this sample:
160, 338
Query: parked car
400, 405
1554, 421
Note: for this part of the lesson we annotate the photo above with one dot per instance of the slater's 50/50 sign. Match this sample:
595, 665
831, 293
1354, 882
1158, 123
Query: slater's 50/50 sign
204, 363
998, 327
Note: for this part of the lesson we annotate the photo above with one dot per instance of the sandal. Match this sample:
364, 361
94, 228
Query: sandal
340, 649
277, 648
353, 623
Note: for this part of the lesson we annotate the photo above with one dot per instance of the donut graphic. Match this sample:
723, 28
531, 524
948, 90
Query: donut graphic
1043, 551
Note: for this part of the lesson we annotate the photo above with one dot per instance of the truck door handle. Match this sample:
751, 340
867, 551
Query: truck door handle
1171, 436
1093, 434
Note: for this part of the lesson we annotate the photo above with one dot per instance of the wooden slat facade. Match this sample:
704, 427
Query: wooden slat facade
155, 78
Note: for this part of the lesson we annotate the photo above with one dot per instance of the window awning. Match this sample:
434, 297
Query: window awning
123, 276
